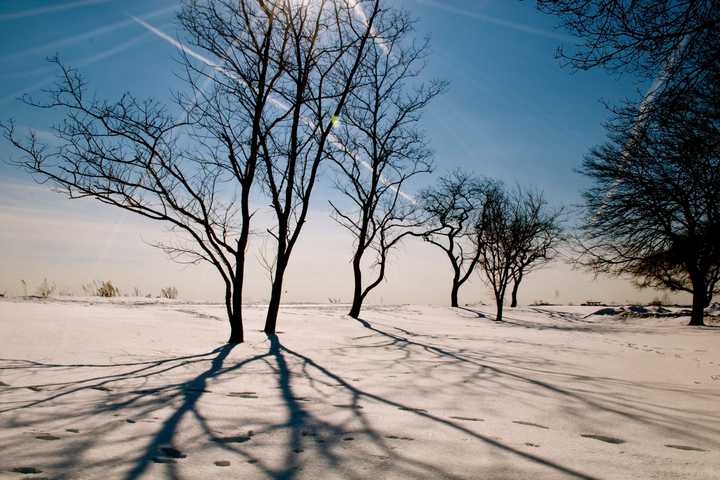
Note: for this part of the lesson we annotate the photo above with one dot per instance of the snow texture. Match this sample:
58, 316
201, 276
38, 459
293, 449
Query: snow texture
125, 391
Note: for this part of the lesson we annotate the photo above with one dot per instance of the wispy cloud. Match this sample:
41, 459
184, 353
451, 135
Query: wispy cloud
517, 26
80, 63
72, 40
32, 12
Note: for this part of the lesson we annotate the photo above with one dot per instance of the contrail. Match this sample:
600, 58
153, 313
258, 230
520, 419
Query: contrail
63, 42
50, 9
520, 27
645, 105
83, 62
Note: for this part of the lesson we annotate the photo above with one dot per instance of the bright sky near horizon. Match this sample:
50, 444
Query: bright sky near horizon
512, 112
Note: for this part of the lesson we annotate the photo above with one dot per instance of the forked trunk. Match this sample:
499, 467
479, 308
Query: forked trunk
275, 297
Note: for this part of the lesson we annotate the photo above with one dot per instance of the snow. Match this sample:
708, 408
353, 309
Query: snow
131, 390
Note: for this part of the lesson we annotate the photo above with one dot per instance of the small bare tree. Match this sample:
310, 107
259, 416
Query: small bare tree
453, 208
379, 149
538, 238
512, 224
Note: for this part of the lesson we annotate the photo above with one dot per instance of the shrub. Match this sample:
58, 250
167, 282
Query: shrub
44, 290
107, 289
101, 289
170, 293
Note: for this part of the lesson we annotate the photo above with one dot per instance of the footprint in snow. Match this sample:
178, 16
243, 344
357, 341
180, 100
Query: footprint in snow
35, 389
531, 444
396, 437
340, 405
47, 436
171, 452
221, 463
243, 394
603, 438
26, 470
467, 419
686, 447
163, 460
531, 424
416, 410
72, 430
100, 388
234, 439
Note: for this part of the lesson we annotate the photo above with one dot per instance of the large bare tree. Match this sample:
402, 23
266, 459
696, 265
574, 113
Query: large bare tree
379, 149
328, 41
653, 210
453, 208
265, 70
670, 41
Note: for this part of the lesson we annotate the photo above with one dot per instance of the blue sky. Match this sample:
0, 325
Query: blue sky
511, 112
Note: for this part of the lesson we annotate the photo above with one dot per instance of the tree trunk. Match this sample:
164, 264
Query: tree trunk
275, 297
499, 300
236, 328
234, 315
499, 311
516, 285
698, 306
357, 299
236, 322
454, 294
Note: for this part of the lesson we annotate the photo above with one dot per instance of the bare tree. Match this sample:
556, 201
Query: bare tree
195, 172
539, 234
327, 43
379, 149
670, 41
453, 208
511, 225
653, 212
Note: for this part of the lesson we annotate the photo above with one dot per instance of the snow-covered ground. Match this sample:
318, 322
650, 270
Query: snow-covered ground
125, 391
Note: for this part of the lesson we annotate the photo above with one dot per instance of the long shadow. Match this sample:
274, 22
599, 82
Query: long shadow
363, 394
303, 426
631, 411
145, 370
161, 447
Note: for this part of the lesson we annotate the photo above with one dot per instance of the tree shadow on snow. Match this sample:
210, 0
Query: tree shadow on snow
309, 432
